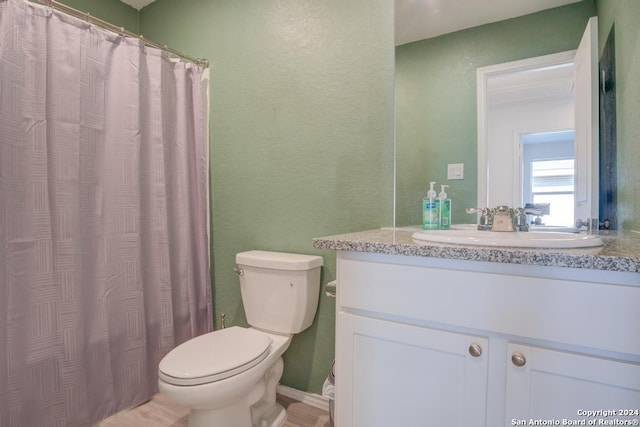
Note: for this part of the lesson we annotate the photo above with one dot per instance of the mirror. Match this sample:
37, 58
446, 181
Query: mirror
529, 149
436, 113
540, 113
517, 100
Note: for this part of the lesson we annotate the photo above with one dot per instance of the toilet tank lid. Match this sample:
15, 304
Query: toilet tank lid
278, 260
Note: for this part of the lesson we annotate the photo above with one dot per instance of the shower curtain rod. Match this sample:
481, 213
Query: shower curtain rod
120, 30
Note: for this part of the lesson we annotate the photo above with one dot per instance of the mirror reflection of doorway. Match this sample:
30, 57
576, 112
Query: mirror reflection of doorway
532, 96
535, 95
548, 175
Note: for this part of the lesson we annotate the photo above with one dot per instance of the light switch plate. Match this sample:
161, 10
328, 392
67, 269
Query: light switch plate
455, 171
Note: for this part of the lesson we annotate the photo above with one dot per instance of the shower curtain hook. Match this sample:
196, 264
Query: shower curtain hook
88, 17
122, 32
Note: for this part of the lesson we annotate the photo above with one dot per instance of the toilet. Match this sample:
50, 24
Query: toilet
228, 377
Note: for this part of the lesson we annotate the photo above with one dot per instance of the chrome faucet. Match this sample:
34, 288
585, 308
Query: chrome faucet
503, 218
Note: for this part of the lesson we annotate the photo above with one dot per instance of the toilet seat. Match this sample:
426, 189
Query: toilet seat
214, 356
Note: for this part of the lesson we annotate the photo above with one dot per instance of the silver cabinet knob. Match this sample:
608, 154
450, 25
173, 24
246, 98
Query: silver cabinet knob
518, 359
475, 350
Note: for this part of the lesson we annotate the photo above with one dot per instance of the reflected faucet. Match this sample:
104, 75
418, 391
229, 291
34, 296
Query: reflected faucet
503, 218
544, 209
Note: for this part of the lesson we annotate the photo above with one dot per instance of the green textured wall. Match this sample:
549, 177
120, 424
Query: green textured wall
436, 98
301, 135
625, 14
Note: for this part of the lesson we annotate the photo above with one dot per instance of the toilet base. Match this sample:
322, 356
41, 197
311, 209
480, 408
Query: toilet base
230, 416
276, 417
257, 407
237, 416
266, 412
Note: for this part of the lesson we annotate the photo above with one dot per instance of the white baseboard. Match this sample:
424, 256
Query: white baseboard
310, 399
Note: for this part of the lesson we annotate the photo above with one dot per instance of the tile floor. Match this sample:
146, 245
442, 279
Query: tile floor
159, 412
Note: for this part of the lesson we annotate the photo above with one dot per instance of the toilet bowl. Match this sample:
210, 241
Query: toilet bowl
228, 378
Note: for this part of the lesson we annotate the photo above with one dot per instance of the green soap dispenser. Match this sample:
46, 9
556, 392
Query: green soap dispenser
430, 213
444, 208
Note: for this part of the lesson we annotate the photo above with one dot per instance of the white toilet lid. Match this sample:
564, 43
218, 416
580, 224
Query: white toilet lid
214, 356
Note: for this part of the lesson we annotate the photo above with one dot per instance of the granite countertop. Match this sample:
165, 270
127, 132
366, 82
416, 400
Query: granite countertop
621, 252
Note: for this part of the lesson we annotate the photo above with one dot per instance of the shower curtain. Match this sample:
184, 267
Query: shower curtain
104, 262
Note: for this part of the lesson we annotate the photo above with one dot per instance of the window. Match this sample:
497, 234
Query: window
552, 181
548, 163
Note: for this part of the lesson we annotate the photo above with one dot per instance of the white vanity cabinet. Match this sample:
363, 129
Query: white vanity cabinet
551, 384
398, 371
438, 342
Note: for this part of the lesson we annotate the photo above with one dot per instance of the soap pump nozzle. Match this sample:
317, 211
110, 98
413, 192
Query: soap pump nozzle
431, 193
442, 194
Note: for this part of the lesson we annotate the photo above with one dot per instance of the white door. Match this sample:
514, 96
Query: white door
396, 374
586, 124
555, 385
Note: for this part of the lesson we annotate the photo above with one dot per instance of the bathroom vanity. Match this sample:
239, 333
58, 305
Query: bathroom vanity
446, 335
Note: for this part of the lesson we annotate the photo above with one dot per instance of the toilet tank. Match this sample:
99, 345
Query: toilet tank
279, 290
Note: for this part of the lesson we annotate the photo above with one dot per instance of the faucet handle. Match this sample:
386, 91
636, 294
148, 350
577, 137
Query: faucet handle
485, 221
476, 210
531, 211
520, 219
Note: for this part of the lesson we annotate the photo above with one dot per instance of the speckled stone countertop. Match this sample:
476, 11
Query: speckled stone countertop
619, 253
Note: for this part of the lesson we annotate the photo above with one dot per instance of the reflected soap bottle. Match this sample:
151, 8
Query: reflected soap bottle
430, 212
444, 208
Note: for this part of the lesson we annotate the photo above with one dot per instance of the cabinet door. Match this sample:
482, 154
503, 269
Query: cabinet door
557, 385
395, 374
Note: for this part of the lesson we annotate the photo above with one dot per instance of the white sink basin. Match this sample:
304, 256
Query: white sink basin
553, 228
529, 239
